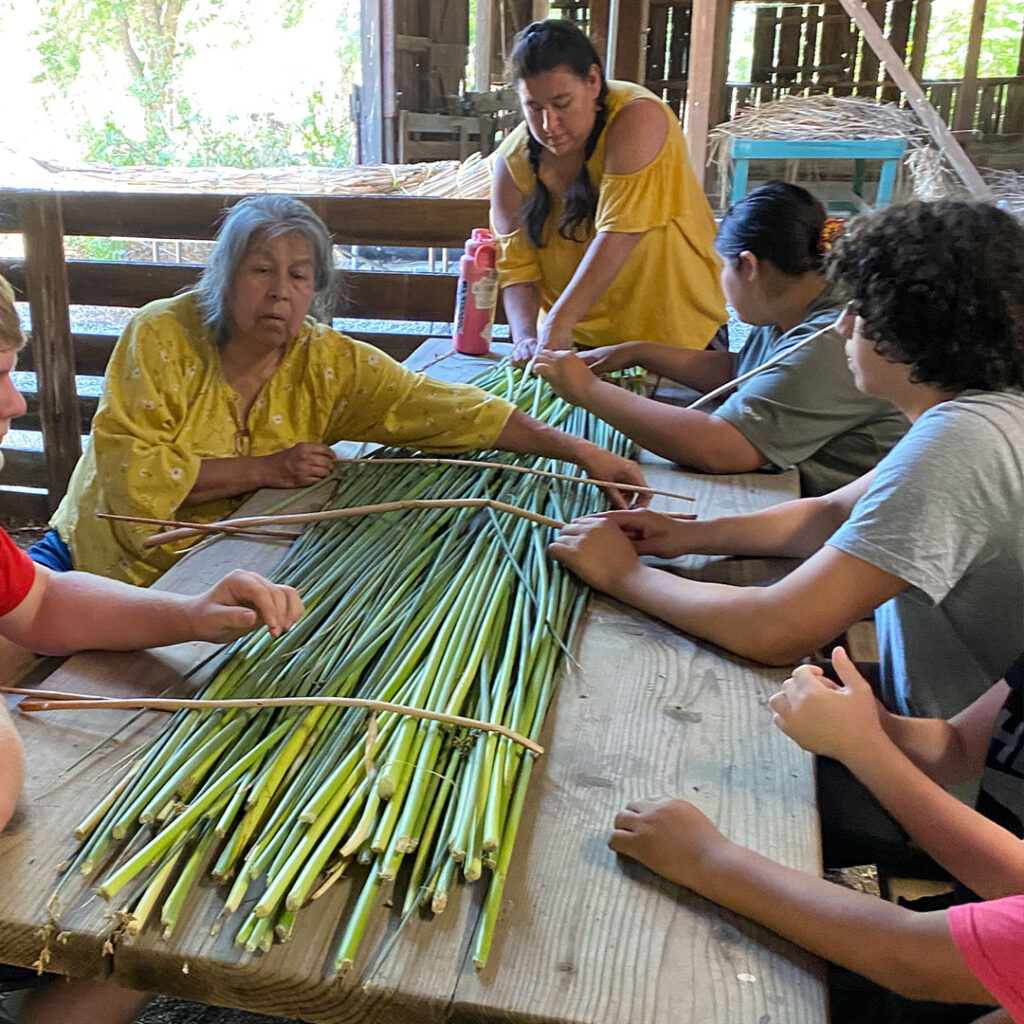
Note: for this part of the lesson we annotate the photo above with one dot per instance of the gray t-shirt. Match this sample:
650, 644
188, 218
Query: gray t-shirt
945, 513
807, 411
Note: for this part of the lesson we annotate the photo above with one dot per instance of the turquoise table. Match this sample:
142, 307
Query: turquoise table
889, 151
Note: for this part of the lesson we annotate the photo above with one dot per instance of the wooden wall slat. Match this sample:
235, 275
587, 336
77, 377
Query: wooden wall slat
22, 469
23, 506
352, 220
43, 233
790, 24
383, 296
82, 420
92, 351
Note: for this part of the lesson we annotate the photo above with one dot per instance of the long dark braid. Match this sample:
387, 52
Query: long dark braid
543, 46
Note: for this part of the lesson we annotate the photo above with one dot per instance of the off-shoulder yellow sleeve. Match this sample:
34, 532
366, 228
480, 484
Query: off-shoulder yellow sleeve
648, 198
517, 259
384, 402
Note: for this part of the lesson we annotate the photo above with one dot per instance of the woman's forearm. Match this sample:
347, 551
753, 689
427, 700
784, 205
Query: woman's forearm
696, 439
911, 953
224, 478
984, 856
599, 267
522, 307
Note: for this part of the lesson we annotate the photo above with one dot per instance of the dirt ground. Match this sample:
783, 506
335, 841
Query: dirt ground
177, 1011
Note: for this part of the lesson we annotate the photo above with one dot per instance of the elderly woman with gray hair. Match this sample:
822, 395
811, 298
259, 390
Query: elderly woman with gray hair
239, 384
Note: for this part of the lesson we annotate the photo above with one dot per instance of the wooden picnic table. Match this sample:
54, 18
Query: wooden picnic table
583, 936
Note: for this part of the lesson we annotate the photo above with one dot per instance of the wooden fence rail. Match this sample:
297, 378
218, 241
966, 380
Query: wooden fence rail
34, 482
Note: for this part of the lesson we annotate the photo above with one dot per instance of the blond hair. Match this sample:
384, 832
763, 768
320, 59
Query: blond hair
11, 336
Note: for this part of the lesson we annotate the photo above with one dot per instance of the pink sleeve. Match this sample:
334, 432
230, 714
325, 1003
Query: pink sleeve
990, 937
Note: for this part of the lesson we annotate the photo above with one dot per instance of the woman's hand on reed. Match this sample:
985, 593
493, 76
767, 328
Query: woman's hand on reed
299, 466
601, 464
652, 533
566, 374
241, 602
610, 358
523, 350
597, 551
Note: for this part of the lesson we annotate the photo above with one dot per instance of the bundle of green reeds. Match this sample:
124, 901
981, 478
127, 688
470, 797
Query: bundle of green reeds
453, 610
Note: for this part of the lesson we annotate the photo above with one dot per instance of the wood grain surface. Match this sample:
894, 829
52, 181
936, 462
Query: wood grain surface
583, 936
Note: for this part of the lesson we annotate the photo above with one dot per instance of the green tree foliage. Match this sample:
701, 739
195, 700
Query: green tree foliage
1000, 49
153, 40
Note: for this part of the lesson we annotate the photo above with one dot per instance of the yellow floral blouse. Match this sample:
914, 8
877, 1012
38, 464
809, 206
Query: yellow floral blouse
166, 406
668, 289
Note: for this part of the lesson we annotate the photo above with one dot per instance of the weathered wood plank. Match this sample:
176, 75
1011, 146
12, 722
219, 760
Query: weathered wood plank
392, 296
43, 232
22, 468
24, 506
708, 67
967, 96
85, 409
352, 220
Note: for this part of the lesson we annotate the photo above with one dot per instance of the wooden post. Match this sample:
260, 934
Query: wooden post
967, 97
919, 44
371, 126
961, 163
709, 65
46, 282
483, 45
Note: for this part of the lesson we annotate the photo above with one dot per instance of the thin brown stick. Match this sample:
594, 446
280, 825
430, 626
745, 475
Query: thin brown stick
190, 529
220, 527
176, 704
433, 460
768, 363
52, 694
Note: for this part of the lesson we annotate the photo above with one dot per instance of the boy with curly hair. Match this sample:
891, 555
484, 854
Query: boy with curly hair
930, 540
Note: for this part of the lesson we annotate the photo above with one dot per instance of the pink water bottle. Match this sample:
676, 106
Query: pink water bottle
477, 295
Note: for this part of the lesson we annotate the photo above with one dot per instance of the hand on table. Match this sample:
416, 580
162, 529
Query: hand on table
609, 358
601, 464
299, 466
566, 374
826, 719
241, 602
597, 551
671, 837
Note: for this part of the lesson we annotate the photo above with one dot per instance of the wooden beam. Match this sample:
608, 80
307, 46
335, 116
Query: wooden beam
483, 44
42, 228
961, 163
967, 96
371, 127
919, 43
709, 65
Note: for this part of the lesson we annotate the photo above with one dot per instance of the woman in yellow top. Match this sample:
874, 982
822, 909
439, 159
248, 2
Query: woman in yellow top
233, 386
604, 233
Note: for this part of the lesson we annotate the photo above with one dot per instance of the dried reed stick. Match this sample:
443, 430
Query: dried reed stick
768, 363
174, 704
222, 527
187, 530
436, 461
